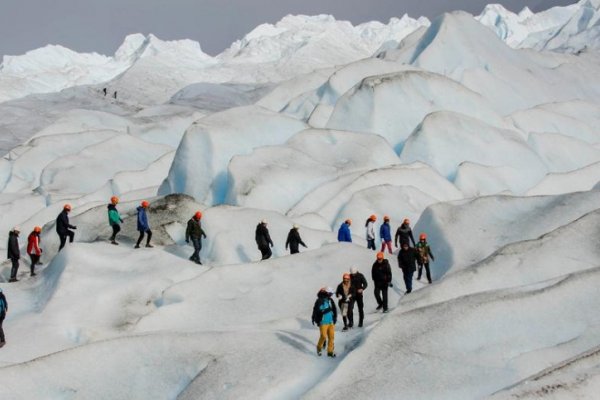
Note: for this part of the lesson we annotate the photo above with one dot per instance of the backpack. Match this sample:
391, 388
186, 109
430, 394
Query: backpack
318, 311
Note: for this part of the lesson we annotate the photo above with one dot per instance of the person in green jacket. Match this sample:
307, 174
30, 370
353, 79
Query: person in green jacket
195, 232
114, 219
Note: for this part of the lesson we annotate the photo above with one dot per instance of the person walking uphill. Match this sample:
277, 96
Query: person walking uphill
142, 224
381, 273
344, 234
195, 232
385, 232
263, 240
324, 315
404, 233
294, 240
345, 293
424, 254
63, 227
114, 219
13, 253
3, 311
370, 228
407, 258
359, 283
33, 248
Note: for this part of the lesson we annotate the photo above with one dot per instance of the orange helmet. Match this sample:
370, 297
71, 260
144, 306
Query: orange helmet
145, 204
373, 217
423, 236
37, 229
114, 200
380, 255
198, 215
67, 207
386, 217
346, 276
406, 221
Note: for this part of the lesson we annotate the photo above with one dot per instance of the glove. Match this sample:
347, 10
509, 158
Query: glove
335, 321
305, 246
391, 285
121, 219
313, 321
74, 227
204, 236
187, 241
396, 245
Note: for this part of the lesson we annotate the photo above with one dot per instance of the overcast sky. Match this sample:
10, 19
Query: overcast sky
101, 25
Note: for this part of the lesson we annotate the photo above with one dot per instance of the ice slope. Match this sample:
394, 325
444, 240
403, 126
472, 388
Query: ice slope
472, 140
392, 105
579, 180
200, 165
278, 177
459, 47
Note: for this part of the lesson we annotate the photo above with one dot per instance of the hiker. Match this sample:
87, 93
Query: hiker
114, 219
385, 232
344, 234
369, 226
142, 224
345, 293
381, 273
63, 227
33, 248
407, 258
294, 240
404, 233
3, 311
195, 232
359, 283
104, 91
13, 252
115, 94
324, 315
263, 240
424, 253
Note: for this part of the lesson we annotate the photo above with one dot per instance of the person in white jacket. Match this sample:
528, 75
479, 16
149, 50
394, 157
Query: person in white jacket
370, 227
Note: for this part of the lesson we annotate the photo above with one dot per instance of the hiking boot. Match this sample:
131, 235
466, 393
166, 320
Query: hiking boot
360, 324
198, 262
137, 246
2, 344
33, 274
13, 280
379, 307
114, 242
332, 355
408, 291
344, 329
319, 352
149, 245
430, 282
385, 311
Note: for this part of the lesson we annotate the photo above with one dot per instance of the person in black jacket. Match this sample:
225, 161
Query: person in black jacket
404, 233
63, 227
195, 232
381, 273
3, 311
359, 283
263, 239
294, 240
407, 259
13, 253
346, 293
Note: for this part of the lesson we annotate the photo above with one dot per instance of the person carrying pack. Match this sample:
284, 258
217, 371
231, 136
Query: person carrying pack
424, 254
143, 226
13, 252
33, 248
63, 227
114, 219
324, 315
381, 273
359, 283
195, 232
294, 240
263, 240
404, 233
407, 258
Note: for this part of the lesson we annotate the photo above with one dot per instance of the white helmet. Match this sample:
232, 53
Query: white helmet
353, 270
16, 229
264, 221
296, 226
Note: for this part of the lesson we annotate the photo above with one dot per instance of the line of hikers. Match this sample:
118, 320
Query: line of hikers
350, 291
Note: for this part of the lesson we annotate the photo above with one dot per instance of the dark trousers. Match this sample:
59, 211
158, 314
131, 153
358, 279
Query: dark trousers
15, 268
116, 229
371, 244
427, 271
408, 277
361, 305
266, 252
2, 338
149, 232
294, 249
197, 247
34, 260
349, 318
381, 295
63, 238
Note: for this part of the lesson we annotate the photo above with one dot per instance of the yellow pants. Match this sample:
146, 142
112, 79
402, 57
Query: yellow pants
327, 332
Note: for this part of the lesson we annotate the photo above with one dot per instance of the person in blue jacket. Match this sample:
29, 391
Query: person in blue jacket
385, 232
142, 224
344, 234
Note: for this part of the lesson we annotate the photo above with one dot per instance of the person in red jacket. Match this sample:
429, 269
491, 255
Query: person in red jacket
33, 248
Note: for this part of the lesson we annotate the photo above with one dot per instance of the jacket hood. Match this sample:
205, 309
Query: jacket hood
139, 208
112, 207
